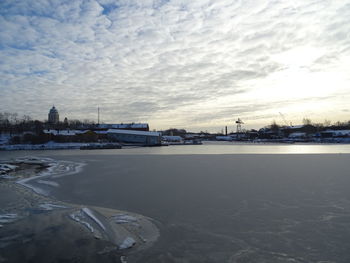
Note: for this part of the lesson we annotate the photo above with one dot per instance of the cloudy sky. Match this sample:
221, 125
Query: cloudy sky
194, 64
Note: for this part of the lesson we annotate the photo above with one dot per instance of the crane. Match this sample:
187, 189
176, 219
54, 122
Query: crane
239, 123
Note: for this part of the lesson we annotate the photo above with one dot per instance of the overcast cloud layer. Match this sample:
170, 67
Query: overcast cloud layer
193, 64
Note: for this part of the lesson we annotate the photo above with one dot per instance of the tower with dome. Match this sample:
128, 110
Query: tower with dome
53, 116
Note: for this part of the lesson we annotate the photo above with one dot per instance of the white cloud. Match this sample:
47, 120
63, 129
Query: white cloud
194, 64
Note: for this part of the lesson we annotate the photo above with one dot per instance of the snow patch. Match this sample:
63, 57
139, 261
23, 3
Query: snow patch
127, 243
79, 217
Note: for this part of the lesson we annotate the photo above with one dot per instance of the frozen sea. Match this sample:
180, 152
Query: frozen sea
220, 202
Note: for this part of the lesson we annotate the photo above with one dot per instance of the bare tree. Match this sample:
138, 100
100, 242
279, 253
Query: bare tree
307, 121
274, 126
327, 123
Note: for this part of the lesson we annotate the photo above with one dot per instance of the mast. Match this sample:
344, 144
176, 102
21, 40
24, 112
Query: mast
98, 115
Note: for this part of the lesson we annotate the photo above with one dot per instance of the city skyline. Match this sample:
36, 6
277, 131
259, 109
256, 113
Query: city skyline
198, 65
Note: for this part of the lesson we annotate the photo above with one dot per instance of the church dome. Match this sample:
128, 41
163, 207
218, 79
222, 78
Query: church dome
53, 110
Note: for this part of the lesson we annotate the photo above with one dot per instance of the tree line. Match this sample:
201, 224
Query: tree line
318, 126
12, 123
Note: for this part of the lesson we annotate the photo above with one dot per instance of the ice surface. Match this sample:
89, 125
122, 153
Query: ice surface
50, 183
127, 243
9, 240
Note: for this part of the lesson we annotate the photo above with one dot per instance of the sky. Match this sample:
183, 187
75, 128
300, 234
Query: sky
190, 64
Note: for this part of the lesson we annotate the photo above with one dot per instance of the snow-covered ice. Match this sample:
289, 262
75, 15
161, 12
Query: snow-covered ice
37, 190
79, 217
5, 168
54, 169
49, 206
89, 212
124, 218
8, 218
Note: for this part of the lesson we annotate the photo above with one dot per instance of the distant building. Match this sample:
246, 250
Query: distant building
123, 126
53, 116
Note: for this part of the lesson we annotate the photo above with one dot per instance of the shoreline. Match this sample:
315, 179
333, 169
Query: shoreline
26, 196
78, 146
